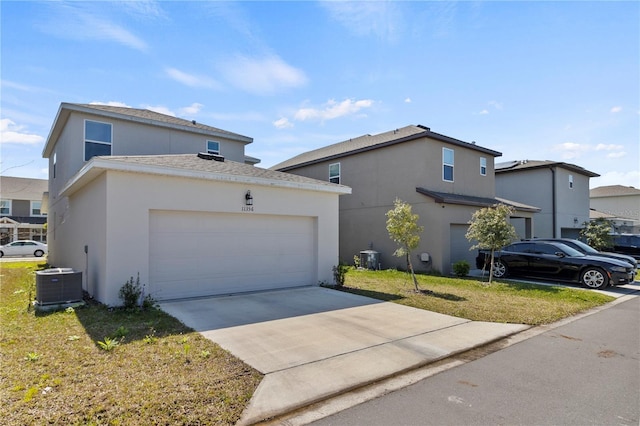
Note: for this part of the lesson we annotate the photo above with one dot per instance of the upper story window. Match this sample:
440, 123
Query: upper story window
571, 181
97, 139
447, 164
55, 161
5, 207
334, 173
213, 147
483, 166
36, 208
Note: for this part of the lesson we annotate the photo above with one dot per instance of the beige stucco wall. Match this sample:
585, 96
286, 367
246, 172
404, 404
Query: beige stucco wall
111, 215
535, 188
379, 176
128, 138
627, 206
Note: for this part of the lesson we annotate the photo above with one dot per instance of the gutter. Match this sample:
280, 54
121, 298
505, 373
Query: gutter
553, 199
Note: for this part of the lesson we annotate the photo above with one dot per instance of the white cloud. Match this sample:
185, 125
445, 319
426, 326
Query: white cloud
110, 103
608, 147
12, 133
160, 109
192, 109
495, 104
192, 80
571, 150
379, 18
73, 21
407, 101
262, 76
333, 109
283, 123
616, 109
484, 112
630, 178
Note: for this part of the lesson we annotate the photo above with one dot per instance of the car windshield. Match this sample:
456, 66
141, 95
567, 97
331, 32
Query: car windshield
570, 251
586, 247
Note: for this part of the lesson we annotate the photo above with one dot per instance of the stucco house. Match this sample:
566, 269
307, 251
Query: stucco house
134, 191
444, 179
22, 216
621, 203
561, 190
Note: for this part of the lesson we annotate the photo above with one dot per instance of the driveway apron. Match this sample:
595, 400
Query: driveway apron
313, 343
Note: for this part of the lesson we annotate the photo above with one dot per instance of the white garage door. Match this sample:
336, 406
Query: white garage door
195, 254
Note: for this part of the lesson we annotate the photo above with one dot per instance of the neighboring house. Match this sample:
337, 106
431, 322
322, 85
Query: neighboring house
21, 210
622, 203
191, 223
619, 225
444, 179
561, 190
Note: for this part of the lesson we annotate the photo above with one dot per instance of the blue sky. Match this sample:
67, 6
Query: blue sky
534, 80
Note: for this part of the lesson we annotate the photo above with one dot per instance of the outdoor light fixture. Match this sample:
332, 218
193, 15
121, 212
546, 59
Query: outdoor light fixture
575, 220
248, 199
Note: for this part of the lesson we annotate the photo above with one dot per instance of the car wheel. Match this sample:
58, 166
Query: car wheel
38, 253
594, 278
1, 254
500, 270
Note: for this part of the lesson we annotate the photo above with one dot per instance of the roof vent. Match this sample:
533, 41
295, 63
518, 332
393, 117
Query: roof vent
207, 156
193, 122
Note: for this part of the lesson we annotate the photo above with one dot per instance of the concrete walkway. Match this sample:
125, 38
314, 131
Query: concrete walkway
313, 343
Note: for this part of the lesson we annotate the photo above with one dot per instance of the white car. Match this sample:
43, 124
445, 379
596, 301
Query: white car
24, 248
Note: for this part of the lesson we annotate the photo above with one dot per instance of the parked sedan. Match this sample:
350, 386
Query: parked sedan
587, 249
558, 262
24, 248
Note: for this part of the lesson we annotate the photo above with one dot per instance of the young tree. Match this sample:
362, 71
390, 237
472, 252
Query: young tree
490, 227
596, 233
403, 228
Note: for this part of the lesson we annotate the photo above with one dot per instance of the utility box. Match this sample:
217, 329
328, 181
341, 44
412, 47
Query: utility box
58, 285
370, 259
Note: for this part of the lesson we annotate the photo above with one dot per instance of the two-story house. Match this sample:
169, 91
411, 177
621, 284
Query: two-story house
134, 191
444, 179
21, 211
561, 190
620, 204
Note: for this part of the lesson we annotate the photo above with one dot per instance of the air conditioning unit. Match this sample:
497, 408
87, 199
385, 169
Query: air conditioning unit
58, 285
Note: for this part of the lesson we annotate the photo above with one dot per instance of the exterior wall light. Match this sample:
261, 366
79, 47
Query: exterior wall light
248, 198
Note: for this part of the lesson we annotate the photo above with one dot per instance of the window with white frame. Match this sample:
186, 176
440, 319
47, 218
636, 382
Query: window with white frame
5, 207
97, 139
36, 208
447, 164
570, 181
55, 161
334, 173
483, 166
213, 147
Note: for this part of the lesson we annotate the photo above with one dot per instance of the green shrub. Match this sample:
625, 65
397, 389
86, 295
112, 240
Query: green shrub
130, 293
339, 273
461, 268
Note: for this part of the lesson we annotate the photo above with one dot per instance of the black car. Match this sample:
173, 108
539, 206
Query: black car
587, 249
628, 244
558, 262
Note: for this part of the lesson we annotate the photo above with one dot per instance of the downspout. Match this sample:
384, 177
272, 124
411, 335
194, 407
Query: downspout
553, 199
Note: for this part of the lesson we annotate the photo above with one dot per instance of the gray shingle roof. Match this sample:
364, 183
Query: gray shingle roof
511, 166
17, 188
191, 165
368, 142
613, 191
469, 200
156, 117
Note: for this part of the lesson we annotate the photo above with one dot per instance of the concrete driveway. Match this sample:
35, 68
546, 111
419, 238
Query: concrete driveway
313, 343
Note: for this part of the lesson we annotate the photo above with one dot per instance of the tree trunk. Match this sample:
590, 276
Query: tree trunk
491, 269
413, 274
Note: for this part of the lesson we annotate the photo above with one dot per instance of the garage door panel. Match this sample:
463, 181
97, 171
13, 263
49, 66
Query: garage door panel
198, 254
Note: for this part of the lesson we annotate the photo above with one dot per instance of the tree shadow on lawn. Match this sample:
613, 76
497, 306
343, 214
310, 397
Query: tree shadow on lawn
389, 297
127, 325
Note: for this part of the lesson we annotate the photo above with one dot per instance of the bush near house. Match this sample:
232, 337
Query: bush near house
93, 365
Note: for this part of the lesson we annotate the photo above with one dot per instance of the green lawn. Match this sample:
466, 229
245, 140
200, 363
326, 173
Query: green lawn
501, 301
161, 372
55, 370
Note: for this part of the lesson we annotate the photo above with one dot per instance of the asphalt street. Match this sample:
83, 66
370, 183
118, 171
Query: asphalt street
586, 372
